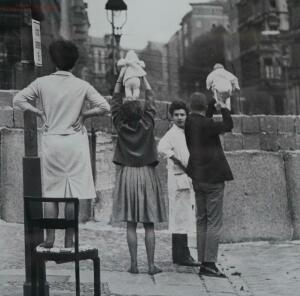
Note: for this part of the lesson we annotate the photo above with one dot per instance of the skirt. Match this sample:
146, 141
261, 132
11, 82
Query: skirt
66, 166
137, 196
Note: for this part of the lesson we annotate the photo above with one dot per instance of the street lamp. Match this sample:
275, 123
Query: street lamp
116, 13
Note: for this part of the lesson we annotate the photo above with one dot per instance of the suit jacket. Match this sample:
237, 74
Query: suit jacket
207, 161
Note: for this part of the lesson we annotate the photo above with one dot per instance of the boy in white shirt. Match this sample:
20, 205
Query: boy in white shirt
181, 194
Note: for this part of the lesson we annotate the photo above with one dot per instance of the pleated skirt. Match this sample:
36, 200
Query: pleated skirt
66, 166
137, 196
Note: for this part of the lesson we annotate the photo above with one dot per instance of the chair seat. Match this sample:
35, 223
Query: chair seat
62, 255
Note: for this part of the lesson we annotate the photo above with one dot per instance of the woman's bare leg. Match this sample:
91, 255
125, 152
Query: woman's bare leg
50, 211
132, 246
150, 248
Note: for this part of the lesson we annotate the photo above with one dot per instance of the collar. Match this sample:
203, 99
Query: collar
63, 73
178, 128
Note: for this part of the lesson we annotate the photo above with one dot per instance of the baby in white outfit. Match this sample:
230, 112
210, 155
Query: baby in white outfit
131, 71
222, 83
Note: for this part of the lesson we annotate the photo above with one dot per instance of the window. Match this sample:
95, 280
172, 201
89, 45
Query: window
269, 69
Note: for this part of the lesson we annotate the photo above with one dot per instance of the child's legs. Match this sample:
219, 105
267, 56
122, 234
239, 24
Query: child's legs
69, 214
50, 211
128, 92
133, 84
228, 103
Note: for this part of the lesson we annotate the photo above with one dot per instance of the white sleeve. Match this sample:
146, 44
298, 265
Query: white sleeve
96, 100
164, 146
23, 98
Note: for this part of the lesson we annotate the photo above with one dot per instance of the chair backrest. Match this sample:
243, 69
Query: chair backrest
34, 221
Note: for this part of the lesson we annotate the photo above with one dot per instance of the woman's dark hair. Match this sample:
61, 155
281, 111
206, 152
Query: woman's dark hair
64, 54
198, 101
176, 105
132, 111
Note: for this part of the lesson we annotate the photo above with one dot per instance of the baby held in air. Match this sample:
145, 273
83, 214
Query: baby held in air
222, 83
132, 69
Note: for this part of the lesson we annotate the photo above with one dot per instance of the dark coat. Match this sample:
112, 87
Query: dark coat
207, 162
136, 146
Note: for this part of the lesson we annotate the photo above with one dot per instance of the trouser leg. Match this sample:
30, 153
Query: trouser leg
209, 204
201, 224
214, 221
180, 250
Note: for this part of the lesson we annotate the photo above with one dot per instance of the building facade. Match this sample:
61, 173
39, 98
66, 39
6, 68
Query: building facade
100, 64
155, 57
200, 20
293, 102
261, 29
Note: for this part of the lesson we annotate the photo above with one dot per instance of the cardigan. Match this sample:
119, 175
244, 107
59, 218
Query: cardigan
136, 146
207, 162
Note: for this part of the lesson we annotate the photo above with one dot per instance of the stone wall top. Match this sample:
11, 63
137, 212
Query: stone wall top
258, 132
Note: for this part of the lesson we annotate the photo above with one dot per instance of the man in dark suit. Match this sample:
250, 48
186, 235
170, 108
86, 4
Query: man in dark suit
208, 169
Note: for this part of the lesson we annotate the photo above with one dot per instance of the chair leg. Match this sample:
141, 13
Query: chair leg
33, 278
42, 280
77, 277
97, 280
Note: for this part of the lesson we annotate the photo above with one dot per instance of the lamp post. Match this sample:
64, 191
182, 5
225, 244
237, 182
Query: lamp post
116, 12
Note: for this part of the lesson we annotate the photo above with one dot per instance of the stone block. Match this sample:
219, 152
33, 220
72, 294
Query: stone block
250, 125
6, 116
6, 97
12, 152
237, 124
18, 118
251, 142
297, 137
255, 203
268, 142
286, 124
233, 141
286, 141
292, 164
269, 124
161, 127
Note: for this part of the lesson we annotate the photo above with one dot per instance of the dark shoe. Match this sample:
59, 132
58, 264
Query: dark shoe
213, 272
189, 261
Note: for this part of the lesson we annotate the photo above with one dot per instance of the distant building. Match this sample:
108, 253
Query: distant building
155, 57
261, 26
173, 48
99, 63
200, 20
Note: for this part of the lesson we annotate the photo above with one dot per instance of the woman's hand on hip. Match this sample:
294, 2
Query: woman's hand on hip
78, 125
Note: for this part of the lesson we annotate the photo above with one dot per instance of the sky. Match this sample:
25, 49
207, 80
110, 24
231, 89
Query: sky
153, 20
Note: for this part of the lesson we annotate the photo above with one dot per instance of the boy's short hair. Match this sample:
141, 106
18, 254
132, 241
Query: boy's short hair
176, 105
132, 111
64, 54
198, 101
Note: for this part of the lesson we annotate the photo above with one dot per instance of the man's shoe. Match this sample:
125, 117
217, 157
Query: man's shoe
213, 272
189, 261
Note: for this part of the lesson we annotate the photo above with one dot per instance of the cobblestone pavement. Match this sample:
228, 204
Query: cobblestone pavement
253, 269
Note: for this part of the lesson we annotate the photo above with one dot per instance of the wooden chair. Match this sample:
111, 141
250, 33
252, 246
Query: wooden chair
60, 255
